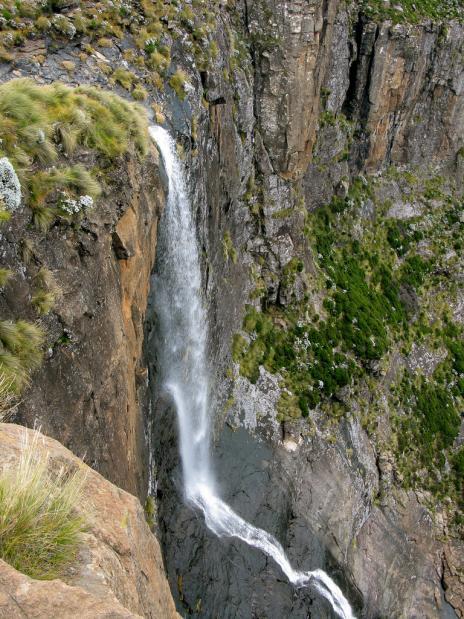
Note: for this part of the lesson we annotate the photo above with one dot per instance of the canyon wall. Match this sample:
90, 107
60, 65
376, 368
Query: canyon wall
92, 401
296, 106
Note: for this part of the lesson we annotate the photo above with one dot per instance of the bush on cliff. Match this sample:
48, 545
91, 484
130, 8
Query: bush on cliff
39, 124
20, 353
39, 529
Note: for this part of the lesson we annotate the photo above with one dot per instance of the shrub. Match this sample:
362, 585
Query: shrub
47, 291
124, 78
33, 118
20, 352
177, 83
139, 93
228, 248
68, 65
39, 528
74, 178
158, 62
104, 42
43, 301
414, 270
440, 418
4, 214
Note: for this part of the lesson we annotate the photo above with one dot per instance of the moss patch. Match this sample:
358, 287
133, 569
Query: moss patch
414, 11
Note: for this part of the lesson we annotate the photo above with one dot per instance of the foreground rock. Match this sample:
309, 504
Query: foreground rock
119, 571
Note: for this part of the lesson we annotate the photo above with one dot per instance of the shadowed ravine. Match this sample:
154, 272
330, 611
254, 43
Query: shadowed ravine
181, 348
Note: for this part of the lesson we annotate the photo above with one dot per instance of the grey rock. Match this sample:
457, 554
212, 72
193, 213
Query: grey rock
10, 187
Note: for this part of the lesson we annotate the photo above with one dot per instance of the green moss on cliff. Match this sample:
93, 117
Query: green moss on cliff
374, 335
414, 11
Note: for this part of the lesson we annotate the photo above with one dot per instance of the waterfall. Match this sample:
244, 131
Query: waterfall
182, 335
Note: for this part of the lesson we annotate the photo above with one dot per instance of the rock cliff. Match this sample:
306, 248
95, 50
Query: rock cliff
323, 143
94, 402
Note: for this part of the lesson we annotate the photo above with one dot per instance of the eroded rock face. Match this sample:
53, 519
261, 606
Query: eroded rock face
407, 92
119, 570
266, 151
292, 42
402, 83
90, 391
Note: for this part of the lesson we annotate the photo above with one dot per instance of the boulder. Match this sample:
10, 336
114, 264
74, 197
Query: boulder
119, 569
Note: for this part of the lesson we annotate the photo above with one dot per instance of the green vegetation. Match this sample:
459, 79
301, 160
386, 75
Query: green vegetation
229, 251
46, 292
139, 93
363, 309
177, 83
381, 285
39, 529
430, 422
400, 236
5, 275
414, 11
37, 121
368, 285
20, 353
150, 511
124, 78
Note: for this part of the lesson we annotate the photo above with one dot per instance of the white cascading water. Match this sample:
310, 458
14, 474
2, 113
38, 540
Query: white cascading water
182, 342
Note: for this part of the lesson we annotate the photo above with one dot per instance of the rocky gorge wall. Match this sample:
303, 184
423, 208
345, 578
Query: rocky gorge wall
93, 401
279, 109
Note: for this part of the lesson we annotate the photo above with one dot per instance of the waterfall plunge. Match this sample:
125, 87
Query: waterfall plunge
182, 349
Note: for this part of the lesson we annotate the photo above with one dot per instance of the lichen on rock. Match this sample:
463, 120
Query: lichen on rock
10, 187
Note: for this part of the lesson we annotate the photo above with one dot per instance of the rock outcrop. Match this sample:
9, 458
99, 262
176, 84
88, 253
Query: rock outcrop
119, 570
90, 391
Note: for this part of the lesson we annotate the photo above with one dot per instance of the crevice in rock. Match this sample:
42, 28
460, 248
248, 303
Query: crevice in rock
349, 104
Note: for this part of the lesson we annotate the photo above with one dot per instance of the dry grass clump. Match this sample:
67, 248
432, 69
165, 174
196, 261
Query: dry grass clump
47, 291
40, 530
177, 83
36, 119
38, 123
20, 354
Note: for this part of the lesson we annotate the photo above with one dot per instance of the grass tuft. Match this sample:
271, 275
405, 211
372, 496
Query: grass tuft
37, 122
177, 83
40, 531
5, 275
20, 353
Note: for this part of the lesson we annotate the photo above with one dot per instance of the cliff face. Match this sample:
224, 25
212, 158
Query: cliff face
327, 105
93, 401
316, 139
401, 84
